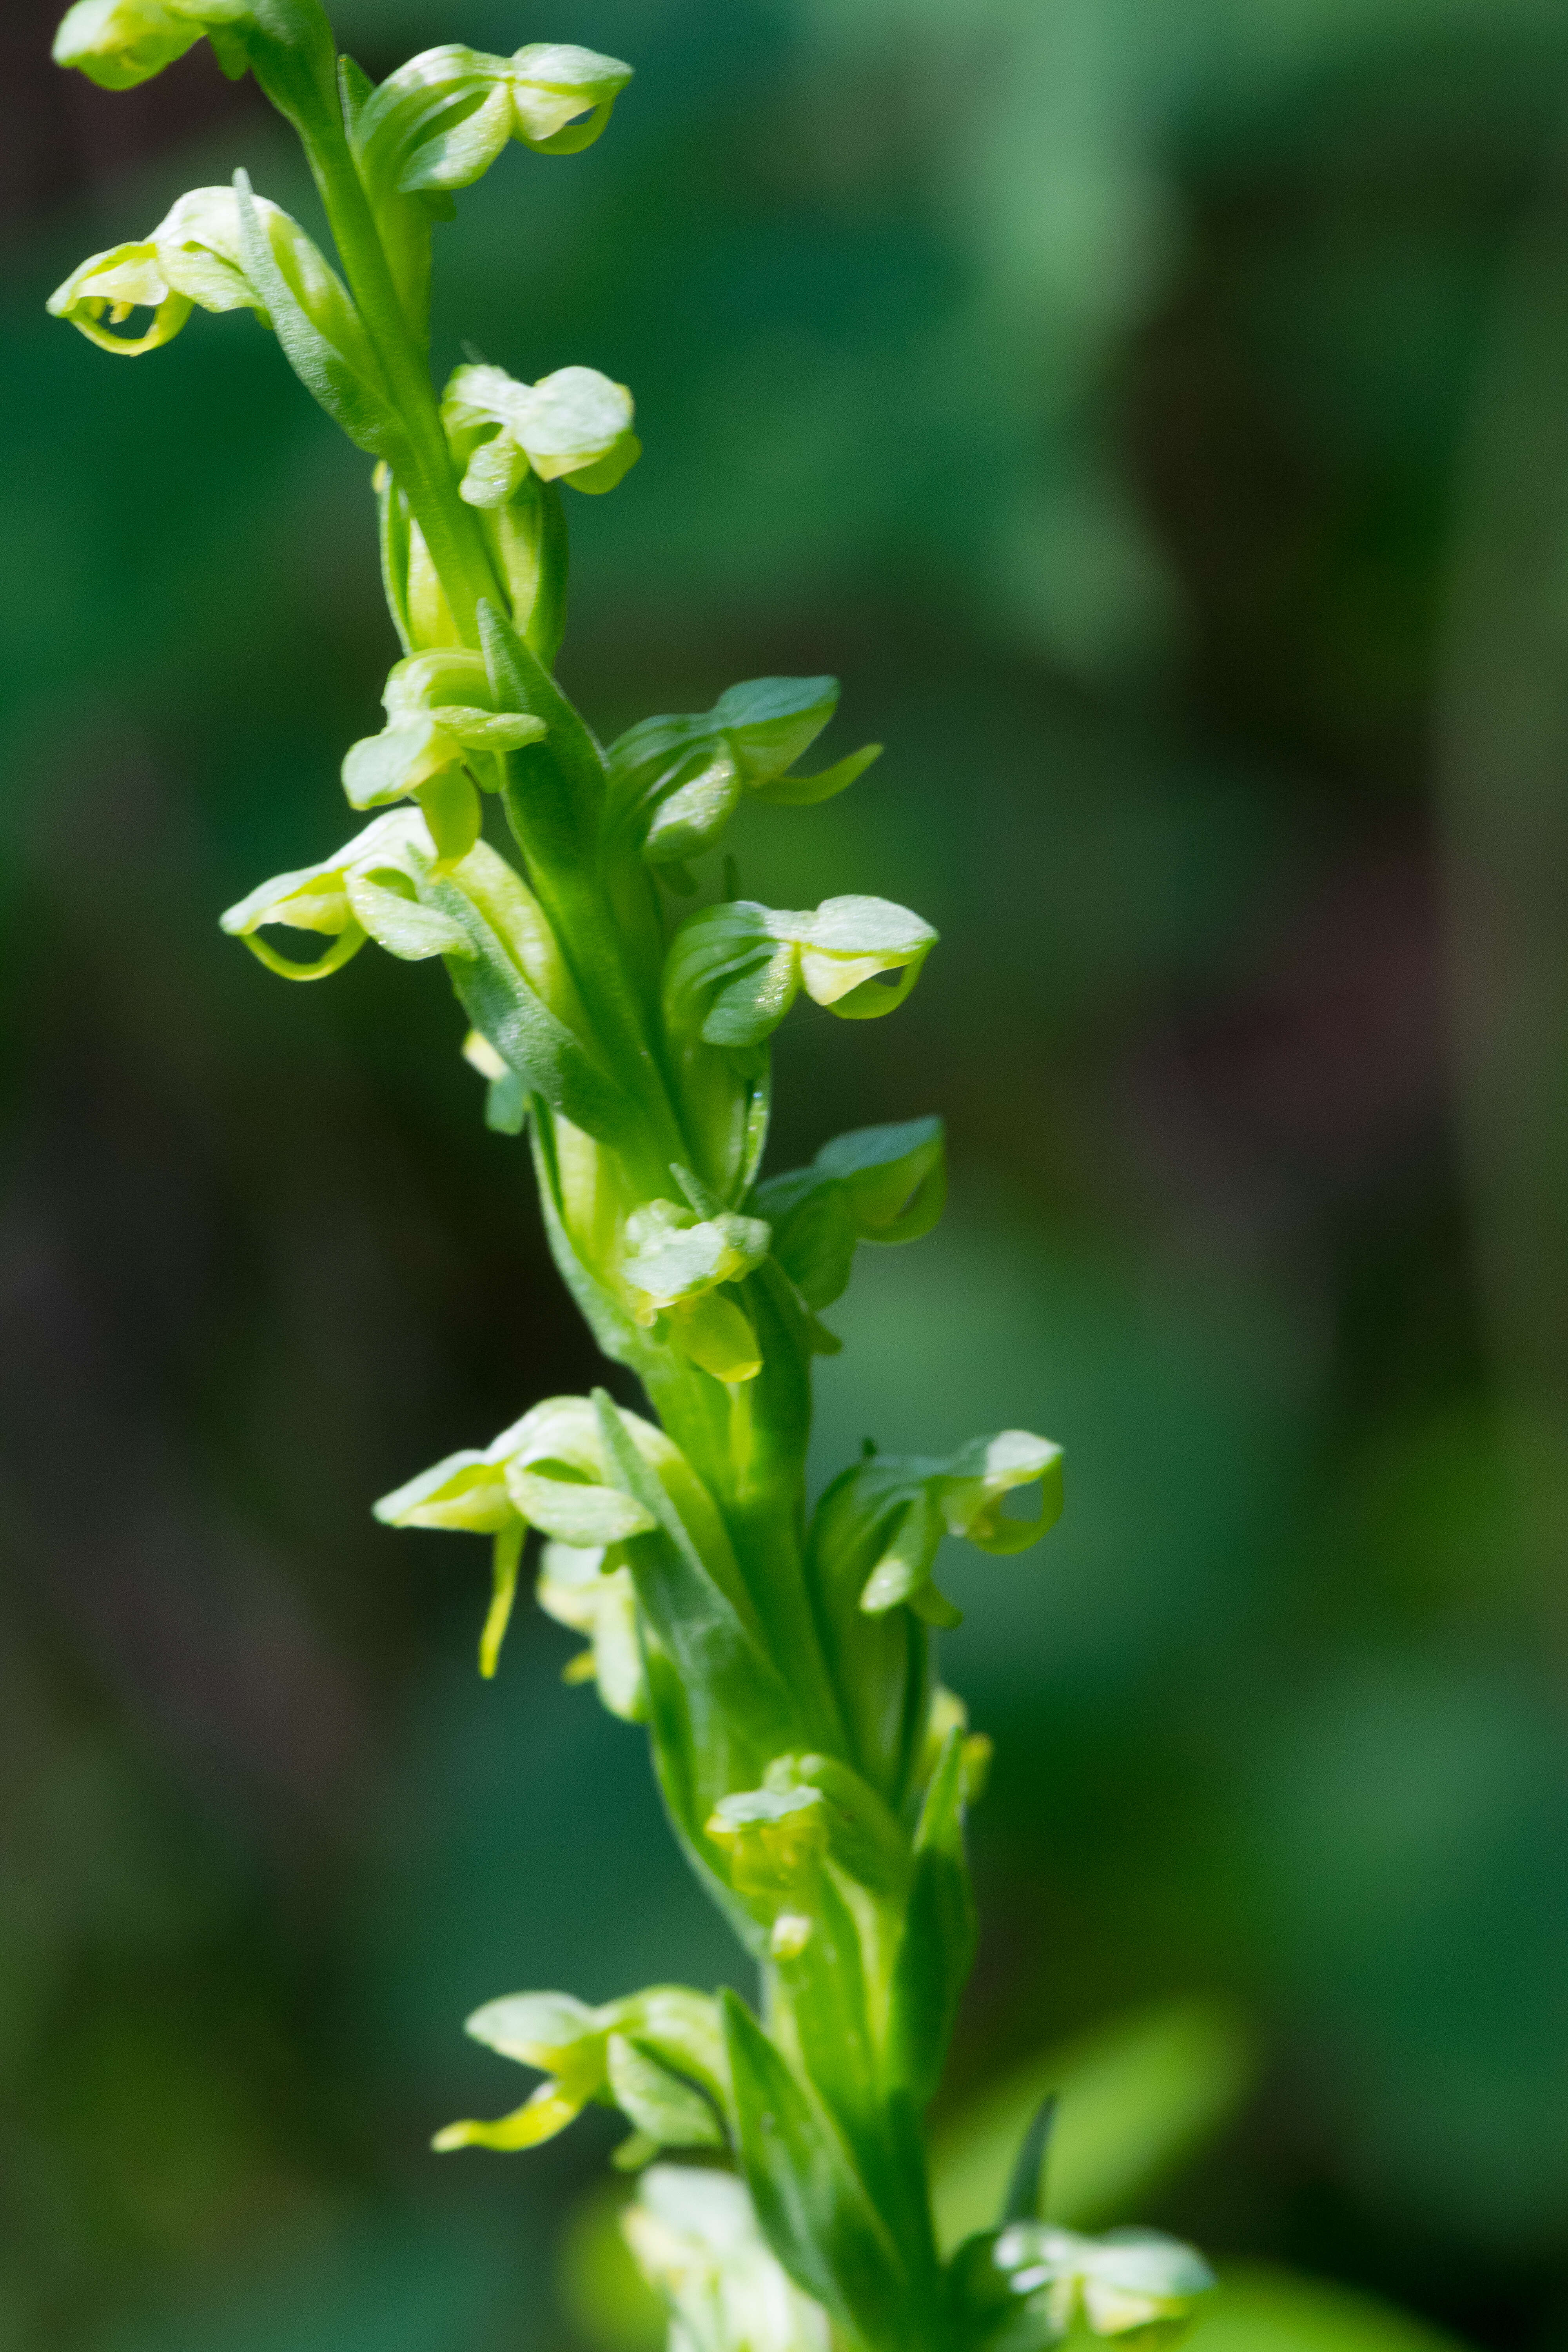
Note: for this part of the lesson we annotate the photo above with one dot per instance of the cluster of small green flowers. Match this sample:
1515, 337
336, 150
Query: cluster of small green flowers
814, 1768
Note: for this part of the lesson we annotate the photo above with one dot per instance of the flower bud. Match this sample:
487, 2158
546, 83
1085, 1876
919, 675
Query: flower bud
775, 1842
865, 1837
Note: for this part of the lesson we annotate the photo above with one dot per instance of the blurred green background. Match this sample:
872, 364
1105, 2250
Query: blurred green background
1159, 417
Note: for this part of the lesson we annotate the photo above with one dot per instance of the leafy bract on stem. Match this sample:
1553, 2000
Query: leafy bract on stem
620, 1002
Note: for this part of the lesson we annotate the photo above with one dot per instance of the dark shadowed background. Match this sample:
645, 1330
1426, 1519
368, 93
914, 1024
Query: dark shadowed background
1158, 416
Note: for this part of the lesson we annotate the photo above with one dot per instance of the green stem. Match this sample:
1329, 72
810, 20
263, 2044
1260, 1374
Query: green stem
451, 530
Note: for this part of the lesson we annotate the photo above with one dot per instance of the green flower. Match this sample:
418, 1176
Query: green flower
878, 1184
551, 1471
574, 425
442, 735
287, 43
1029, 2287
695, 2236
879, 1526
118, 43
675, 782
734, 970
194, 259
674, 1263
547, 1470
440, 121
658, 2055
365, 891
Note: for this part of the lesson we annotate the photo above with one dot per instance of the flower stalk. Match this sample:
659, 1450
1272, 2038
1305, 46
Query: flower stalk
619, 1004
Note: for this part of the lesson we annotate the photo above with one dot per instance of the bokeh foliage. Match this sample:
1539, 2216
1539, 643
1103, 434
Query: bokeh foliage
1111, 393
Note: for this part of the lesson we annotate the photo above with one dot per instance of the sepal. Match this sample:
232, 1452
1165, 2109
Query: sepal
663, 2108
1029, 2287
876, 1184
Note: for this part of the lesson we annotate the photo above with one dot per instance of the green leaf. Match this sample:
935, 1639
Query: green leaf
937, 1949
715, 1646
1025, 2200
321, 334
811, 2205
557, 790
532, 1039
1139, 2097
